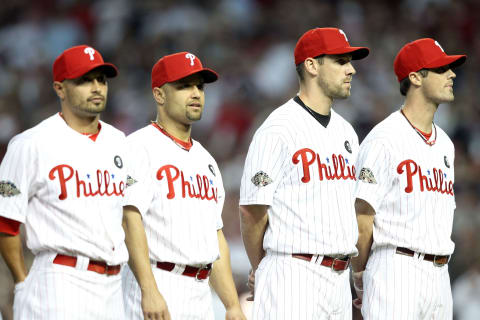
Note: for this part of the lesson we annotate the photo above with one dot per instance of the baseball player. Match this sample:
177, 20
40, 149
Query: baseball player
404, 196
65, 180
174, 205
296, 197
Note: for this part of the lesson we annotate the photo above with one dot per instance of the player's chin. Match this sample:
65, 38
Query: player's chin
343, 95
194, 116
448, 98
95, 109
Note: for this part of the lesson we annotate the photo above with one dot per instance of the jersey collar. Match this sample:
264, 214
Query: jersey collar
322, 119
182, 144
91, 136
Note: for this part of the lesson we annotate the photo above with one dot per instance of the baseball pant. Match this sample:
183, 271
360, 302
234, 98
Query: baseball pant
56, 292
186, 297
403, 287
290, 288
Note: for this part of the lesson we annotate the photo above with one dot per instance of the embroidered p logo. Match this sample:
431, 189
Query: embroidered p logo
191, 57
90, 52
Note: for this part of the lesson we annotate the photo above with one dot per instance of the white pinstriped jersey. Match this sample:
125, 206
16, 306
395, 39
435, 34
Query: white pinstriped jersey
410, 186
67, 189
305, 173
179, 194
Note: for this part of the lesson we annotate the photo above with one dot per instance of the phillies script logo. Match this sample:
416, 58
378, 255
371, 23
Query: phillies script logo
338, 169
438, 184
203, 190
102, 187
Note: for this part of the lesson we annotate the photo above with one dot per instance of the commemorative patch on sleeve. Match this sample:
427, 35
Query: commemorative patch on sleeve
8, 189
130, 181
261, 179
366, 175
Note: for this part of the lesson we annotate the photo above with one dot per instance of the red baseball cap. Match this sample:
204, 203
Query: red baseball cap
316, 42
423, 53
177, 66
77, 61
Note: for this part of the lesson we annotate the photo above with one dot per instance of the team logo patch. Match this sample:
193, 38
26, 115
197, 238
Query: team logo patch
8, 189
118, 162
130, 181
446, 161
366, 175
212, 170
261, 179
347, 146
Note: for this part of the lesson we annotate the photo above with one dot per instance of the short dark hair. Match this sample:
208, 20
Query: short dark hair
405, 83
301, 67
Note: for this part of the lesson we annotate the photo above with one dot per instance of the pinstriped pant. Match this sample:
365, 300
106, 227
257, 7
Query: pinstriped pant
290, 288
57, 292
186, 298
405, 288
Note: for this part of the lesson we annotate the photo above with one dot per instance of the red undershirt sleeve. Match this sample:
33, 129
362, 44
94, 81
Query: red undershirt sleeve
9, 226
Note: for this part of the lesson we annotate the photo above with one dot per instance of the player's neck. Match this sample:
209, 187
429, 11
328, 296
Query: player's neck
420, 114
86, 124
178, 130
316, 101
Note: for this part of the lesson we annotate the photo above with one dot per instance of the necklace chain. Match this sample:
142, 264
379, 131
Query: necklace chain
430, 143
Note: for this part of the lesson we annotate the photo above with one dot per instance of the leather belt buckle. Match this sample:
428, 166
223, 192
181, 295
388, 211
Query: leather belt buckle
198, 274
440, 261
340, 265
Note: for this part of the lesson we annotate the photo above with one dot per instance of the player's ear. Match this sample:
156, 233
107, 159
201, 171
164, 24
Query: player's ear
159, 95
59, 89
310, 65
415, 78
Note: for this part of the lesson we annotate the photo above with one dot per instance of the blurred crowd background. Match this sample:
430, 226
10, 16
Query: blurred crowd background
250, 44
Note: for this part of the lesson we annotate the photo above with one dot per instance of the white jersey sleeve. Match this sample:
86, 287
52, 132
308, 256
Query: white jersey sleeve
373, 177
221, 198
264, 167
140, 190
17, 178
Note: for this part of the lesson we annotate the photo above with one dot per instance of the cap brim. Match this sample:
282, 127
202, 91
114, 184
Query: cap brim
452, 61
207, 74
357, 52
107, 68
